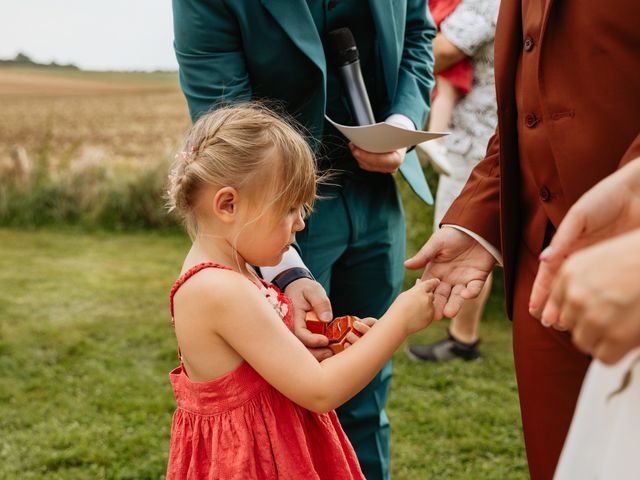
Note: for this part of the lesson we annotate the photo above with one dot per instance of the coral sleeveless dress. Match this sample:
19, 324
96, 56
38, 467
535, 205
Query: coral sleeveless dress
237, 426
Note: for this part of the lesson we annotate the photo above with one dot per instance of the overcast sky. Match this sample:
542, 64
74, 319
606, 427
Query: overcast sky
93, 34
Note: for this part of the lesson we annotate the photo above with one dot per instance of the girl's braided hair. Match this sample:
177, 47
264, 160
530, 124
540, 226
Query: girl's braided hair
243, 145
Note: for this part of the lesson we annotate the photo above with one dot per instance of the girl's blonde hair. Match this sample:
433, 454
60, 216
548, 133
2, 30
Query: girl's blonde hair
243, 145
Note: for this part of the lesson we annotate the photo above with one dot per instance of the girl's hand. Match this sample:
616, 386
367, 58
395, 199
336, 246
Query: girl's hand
415, 306
362, 326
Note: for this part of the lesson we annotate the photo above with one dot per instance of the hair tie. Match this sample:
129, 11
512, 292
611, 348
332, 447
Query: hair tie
187, 156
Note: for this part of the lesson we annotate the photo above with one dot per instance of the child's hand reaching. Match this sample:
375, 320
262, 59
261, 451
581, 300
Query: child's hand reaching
415, 306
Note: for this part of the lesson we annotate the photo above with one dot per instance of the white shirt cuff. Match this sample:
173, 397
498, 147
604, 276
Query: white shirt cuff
401, 121
290, 259
486, 245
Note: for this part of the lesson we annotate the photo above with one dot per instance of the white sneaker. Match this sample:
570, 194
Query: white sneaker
436, 153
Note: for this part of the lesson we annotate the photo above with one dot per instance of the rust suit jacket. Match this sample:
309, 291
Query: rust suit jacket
568, 70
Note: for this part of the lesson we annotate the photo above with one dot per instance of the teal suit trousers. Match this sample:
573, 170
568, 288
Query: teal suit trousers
354, 244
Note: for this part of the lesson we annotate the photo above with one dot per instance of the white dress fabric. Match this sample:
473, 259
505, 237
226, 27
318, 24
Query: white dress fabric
604, 439
471, 28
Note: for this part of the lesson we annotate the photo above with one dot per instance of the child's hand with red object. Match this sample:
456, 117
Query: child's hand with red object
341, 331
361, 326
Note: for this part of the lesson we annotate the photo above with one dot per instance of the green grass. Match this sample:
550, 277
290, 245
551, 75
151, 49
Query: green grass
86, 346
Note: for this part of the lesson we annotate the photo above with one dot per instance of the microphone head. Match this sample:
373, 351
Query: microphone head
342, 47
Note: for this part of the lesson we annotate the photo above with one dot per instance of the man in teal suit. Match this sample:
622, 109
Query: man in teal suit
354, 242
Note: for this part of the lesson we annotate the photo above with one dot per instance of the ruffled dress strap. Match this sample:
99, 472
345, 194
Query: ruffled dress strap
186, 276
278, 300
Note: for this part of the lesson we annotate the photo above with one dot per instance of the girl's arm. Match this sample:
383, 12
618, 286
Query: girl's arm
250, 325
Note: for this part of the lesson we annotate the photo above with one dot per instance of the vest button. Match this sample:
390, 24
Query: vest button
545, 194
530, 120
528, 44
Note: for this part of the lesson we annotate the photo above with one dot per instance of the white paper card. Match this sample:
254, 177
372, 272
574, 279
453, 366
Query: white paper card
384, 137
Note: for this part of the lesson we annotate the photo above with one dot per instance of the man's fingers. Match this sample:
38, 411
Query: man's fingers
423, 257
438, 306
310, 339
378, 167
441, 295
473, 289
387, 162
319, 302
454, 303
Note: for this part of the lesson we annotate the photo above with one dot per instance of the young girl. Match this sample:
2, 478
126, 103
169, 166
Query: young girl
451, 85
252, 400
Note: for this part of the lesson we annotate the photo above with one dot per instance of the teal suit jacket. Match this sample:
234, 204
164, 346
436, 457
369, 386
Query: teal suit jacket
270, 49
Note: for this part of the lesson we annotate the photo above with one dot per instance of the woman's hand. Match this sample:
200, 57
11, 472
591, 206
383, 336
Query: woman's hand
610, 208
596, 295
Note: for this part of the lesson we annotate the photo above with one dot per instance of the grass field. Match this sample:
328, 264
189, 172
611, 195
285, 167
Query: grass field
85, 336
86, 345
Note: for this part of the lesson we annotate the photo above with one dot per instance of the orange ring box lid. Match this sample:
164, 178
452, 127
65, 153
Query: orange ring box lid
336, 330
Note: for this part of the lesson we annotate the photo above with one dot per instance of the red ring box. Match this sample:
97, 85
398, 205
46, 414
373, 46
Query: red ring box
336, 330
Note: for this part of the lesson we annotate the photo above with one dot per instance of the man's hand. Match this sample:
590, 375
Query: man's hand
307, 295
461, 264
596, 294
610, 208
388, 162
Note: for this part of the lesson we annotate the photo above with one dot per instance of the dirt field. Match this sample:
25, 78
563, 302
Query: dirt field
68, 116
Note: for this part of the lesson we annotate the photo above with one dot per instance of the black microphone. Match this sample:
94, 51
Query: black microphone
344, 54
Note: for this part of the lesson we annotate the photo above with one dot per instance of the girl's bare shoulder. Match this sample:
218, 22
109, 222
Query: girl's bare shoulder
213, 287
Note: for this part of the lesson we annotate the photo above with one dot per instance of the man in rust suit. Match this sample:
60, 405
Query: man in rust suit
568, 93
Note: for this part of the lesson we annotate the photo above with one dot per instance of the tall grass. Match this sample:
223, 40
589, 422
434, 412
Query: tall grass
88, 192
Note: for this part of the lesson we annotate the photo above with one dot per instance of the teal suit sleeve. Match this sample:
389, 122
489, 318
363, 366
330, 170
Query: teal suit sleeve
415, 77
210, 55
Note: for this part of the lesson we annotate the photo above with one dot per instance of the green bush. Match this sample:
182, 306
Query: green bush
90, 193
87, 194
